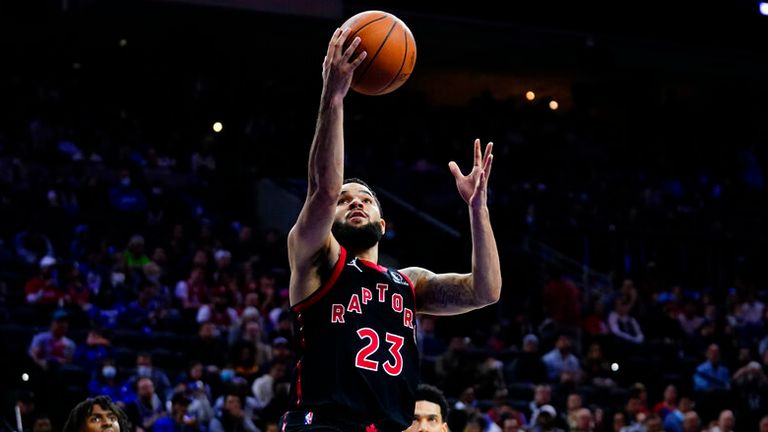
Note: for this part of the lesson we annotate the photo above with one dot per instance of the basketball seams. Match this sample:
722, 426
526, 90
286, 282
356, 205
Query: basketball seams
351, 37
402, 64
383, 42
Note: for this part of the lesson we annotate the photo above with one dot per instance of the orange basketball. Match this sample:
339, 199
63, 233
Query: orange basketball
391, 52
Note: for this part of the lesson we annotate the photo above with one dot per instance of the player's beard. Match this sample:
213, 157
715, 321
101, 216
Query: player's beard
357, 238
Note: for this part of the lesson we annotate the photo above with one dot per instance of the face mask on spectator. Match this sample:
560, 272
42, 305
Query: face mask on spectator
227, 375
144, 371
109, 371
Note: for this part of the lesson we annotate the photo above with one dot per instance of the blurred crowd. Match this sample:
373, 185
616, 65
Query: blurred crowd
133, 263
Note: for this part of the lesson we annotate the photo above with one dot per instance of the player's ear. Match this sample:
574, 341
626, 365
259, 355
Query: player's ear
383, 225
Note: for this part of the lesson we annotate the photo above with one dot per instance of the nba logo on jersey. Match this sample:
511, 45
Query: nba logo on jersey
397, 278
308, 418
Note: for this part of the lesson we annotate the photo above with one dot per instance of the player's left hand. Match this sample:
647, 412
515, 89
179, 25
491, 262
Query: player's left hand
473, 186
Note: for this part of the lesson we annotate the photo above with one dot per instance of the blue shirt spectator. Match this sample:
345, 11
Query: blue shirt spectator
562, 365
710, 375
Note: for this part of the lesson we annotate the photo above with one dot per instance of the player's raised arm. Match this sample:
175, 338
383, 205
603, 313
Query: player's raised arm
310, 241
452, 293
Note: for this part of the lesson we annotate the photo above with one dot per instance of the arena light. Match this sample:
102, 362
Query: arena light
25, 377
615, 367
530, 95
553, 105
217, 127
764, 8
123, 42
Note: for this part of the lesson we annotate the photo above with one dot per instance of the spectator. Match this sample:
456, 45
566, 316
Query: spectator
96, 349
219, 311
528, 366
52, 348
233, 417
430, 345
691, 422
711, 382
597, 369
105, 381
623, 326
147, 408
725, 422
562, 365
573, 405
42, 423
584, 421
179, 420
652, 423
750, 385
193, 292
562, 304
542, 396
252, 335
675, 420
668, 402
126, 198
209, 347
43, 289
145, 369
764, 424
264, 387
545, 420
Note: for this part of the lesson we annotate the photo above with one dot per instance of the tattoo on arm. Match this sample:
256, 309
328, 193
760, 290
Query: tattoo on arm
443, 294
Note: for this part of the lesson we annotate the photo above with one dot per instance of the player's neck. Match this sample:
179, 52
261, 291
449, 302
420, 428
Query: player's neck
370, 254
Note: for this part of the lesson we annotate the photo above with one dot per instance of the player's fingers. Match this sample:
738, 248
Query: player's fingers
480, 183
351, 49
332, 43
478, 156
488, 164
454, 169
360, 57
339, 44
488, 159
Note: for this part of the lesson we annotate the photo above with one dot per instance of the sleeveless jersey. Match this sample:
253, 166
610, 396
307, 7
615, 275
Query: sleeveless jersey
358, 333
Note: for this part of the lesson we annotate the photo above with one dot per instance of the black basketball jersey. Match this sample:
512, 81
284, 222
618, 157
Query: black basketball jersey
358, 333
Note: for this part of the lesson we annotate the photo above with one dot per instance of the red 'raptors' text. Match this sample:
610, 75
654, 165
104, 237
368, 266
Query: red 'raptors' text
357, 303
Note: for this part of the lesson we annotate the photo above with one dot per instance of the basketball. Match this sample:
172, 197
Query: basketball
391, 52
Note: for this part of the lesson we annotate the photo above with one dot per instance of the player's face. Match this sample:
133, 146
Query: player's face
358, 224
427, 418
101, 420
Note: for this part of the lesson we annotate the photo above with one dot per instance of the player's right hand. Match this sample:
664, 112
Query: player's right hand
337, 67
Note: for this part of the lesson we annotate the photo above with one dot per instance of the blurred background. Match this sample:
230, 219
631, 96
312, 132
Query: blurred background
153, 156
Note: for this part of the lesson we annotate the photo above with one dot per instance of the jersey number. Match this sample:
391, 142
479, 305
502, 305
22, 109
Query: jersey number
362, 361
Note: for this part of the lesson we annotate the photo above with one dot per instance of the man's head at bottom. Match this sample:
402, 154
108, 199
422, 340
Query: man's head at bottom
98, 414
431, 410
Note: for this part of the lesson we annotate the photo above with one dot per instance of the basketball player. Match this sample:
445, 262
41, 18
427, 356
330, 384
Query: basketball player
98, 414
431, 410
359, 369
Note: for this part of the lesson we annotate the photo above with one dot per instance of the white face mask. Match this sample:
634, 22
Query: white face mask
109, 371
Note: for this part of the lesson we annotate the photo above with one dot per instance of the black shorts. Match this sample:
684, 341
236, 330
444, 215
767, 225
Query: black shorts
302, 421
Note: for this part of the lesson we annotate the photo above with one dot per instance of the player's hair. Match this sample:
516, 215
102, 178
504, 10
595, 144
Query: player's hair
373, 192
433, 394
79, 414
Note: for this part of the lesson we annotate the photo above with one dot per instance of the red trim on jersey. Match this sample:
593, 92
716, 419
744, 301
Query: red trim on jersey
373, 265
407, 279
298, 383
317, 295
